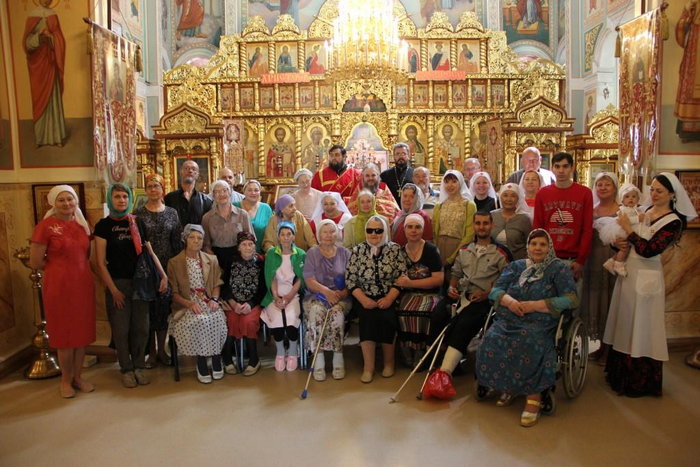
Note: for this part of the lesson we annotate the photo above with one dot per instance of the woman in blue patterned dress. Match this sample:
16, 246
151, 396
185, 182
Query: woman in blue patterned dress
518, 355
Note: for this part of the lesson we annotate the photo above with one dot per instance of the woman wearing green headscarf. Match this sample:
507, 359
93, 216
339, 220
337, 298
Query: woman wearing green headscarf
119, 240
354, 230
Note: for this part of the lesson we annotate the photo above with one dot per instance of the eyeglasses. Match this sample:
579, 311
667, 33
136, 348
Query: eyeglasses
374, 231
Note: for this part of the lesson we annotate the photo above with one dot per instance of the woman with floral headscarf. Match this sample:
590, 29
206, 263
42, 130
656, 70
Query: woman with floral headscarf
119, 240
518, 353
286, 210
163, 228
453, 216
61, 248
512, 222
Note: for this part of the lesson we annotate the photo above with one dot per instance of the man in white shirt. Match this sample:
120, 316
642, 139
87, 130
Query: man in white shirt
531, 160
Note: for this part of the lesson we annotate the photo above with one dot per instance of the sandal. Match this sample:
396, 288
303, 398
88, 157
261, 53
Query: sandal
528, 419
505, 400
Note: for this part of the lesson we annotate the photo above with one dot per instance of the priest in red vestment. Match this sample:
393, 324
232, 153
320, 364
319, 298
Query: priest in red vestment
45, 47
386, 204
337, 176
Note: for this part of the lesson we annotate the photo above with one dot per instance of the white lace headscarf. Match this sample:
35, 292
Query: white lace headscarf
522, 207
464, 191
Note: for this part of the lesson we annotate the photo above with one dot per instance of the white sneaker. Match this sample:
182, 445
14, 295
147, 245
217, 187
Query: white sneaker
609, 265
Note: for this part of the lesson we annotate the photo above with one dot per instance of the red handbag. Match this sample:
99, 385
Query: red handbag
439, 385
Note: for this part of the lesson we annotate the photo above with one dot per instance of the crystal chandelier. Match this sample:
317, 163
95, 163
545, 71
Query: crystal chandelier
366, 40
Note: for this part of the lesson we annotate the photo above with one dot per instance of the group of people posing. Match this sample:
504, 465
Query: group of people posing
380, 246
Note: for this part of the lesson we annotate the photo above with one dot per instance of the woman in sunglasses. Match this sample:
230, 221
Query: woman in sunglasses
372, 270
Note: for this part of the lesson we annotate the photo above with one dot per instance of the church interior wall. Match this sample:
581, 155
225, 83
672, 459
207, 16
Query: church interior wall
18, 304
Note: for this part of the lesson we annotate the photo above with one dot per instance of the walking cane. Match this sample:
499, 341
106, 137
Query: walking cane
435, 346
305, 392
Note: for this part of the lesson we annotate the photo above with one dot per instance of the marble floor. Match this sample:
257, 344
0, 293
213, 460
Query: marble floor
261, 420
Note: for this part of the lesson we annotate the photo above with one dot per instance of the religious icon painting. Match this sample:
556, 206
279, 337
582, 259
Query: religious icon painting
257, 59
306, 97
498, 94
326, 96
413, 135
286, 97
247, 97
316, 60
413, 57
267, 97
250, 151
280, 159
459, 95
478, 94
233, 145
287, 57
141, 114
420, 95
226, 98
401, 97
468, 56
439, 55
440, 95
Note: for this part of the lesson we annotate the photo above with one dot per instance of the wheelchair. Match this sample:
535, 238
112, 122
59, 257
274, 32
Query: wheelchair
571, 343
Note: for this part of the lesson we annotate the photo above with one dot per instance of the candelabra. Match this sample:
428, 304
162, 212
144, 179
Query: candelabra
44, 365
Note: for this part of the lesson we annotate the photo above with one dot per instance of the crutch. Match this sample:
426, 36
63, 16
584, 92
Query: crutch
304, 393
435, 346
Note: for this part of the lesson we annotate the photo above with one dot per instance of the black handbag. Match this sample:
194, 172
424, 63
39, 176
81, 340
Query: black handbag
146, 278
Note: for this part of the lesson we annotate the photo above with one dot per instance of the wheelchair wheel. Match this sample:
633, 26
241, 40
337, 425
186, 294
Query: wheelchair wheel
575, 358
482, 393
549, 403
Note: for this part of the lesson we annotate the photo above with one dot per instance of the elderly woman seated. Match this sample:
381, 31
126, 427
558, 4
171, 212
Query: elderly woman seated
284, 266
242, 296
286, 210
197, 323
518, 353
374, 266
328, 299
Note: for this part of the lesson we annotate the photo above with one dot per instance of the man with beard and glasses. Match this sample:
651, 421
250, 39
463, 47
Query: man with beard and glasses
386, 204
400, 174
421, 178
189, 203
337, 176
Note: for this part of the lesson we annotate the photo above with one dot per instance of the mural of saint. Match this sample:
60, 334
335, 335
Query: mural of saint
313, 63
416, 147
313, 153
440, 61
257, 64
45, 47
467, 60
280, 156
448, 150
413, 59
285, 64
233, 147
530, 11
688, 37
191, 18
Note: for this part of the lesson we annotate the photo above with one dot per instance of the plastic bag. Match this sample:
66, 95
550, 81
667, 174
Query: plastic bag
439, 385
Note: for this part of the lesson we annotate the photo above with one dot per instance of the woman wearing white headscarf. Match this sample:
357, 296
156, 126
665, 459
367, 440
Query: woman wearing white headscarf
331, 206
411, 203
61, 248
306, 198
531, 182
453, 216
635, 363
597, 283
483, 193
370, 277
512, 223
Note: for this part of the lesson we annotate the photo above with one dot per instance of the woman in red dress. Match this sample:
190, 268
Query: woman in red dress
61, 247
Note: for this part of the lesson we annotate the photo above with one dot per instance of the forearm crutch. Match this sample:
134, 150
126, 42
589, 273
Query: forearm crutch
435, 346
304, 393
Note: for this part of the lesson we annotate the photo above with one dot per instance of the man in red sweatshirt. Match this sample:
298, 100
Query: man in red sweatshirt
565, 210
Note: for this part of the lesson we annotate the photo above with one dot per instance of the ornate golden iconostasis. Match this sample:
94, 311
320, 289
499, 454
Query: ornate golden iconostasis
287, 108
597, 150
